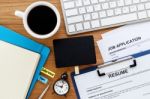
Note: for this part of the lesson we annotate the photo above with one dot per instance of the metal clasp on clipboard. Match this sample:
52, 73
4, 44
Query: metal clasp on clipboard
115, 62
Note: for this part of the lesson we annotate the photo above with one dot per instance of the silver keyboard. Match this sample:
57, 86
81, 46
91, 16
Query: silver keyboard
87, 15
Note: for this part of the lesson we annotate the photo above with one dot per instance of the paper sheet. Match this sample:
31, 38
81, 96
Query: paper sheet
127, 30
125, 41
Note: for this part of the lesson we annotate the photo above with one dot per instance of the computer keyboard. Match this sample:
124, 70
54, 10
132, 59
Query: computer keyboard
88, 15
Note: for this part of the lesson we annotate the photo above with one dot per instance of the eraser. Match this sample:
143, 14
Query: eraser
43, 79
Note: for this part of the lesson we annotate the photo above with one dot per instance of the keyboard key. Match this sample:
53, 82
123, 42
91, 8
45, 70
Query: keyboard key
120, 3
102, 0
68, 5
105, 6
144, 0
128, 2
118, 19
142, 15
110, 12
147, 5
79, 27
148, 13
89, 8
86, 2
71, 12
87, 17
75, 19
118, 11
71, 28
78, 3
95, 23
125, 9
133, 8
140, 7
82, 10
94, 1
112, 4
97, 7
136, 1
102, 14
94, 15
86, 25
66, 0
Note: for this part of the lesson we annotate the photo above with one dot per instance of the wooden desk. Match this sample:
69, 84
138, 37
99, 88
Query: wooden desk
8, 19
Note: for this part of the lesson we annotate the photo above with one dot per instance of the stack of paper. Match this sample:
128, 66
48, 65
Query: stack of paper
124, 41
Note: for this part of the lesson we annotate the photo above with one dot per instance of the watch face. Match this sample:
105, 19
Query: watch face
61, 87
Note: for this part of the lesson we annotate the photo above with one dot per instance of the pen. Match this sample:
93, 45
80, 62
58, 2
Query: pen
43, 93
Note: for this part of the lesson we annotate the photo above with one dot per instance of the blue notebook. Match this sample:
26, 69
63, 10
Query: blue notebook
12, 37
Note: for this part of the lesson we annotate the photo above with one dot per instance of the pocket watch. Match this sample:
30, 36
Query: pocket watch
61, 87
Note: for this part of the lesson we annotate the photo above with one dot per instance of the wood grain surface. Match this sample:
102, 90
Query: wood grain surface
8, 19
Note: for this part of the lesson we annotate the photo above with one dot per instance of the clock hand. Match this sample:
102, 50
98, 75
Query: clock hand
59, 86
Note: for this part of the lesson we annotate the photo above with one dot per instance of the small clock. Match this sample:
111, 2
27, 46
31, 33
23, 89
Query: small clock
61, 87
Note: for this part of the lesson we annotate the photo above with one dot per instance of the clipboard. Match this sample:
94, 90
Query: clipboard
95, 68
17, 39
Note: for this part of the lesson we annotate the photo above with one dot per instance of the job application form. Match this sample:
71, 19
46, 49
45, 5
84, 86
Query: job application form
124, 41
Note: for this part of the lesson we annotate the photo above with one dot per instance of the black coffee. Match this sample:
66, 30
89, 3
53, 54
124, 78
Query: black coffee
42, 20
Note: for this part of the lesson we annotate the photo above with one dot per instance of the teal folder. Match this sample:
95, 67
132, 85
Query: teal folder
12, 37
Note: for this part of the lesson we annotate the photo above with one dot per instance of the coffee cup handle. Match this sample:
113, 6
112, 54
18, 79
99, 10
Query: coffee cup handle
19, 14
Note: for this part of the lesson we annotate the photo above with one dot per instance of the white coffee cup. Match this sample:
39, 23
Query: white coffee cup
24, 16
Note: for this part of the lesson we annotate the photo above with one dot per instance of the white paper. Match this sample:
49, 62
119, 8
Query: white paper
127, 40
131, 85
127, 30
